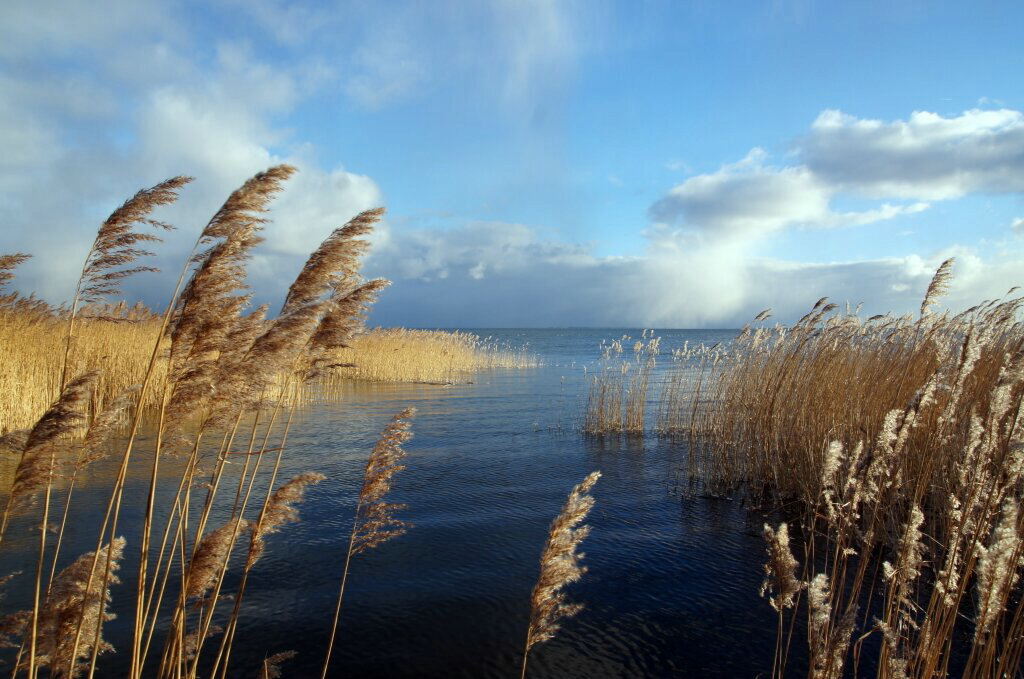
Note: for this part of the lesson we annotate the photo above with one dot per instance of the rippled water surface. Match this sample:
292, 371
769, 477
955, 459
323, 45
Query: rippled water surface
672, 587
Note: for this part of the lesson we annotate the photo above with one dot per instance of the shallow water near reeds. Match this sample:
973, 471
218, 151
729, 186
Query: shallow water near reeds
672, 587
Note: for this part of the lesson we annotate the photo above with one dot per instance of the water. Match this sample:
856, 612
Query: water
672, 587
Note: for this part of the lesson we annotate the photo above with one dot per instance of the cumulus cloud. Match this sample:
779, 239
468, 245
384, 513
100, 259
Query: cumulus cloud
926, 157
69, 161
751, 198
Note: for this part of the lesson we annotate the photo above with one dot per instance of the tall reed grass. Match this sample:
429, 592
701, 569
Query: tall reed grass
896, 445
210, 376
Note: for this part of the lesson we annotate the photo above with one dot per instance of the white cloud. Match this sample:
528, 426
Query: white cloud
485, 273
215, 120
749, 198
1017, 226
926, 157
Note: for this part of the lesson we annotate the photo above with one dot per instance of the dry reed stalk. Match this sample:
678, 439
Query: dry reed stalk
206, 319
374, 522
278, 510
559, 566
307, 324
249, 197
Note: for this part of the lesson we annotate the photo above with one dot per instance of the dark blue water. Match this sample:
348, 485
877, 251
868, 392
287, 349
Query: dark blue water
672, 587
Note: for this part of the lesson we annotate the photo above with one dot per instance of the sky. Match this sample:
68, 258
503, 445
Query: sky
543, 163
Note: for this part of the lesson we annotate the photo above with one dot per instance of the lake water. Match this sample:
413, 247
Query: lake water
672, 587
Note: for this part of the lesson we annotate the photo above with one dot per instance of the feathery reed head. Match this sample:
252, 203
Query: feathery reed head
246, 202
115, 244
64, 418
208, 298
7, 264
69, 601
14, 441
271, 668
780, 570
938, 285
342, 318
334, 262
279, 511
375, 520
559, 565
211, 556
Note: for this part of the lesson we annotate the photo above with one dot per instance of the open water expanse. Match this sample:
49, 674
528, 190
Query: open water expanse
672, 587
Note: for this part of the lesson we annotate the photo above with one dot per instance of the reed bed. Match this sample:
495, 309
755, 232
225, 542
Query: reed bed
896, 447
117, 341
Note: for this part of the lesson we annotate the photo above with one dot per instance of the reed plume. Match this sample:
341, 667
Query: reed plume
115, 247
271, 668
8, 263
206, 566
279, 511
374, 521
559, 566
938, 285
780, 580
780, 583
115, 243
65, 417
206, 311
74, 595
335, 261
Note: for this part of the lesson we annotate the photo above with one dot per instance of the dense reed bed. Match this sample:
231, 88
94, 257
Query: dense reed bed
117, 341
896, 446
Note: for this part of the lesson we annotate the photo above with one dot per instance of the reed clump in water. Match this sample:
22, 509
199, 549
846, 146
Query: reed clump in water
901, 441
617, 397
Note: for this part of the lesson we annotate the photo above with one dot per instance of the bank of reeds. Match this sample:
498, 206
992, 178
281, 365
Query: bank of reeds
896, 445
117, 341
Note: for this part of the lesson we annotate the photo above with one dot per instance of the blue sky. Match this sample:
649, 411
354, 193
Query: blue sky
663, 164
